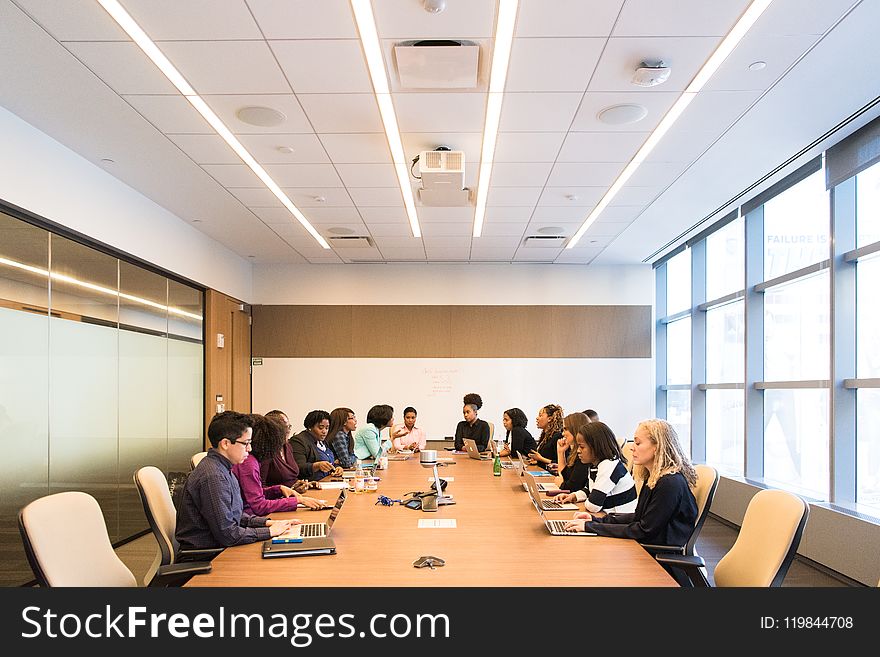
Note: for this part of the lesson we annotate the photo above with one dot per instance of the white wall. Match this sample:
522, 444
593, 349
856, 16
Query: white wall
40, 175
489, 284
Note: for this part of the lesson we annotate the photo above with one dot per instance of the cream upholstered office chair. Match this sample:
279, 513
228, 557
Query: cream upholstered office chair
627, 450
491, 430
196, 459
762, 554
162, 518
66, 543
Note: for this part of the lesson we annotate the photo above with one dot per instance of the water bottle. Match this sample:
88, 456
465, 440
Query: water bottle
496, 465
359, 476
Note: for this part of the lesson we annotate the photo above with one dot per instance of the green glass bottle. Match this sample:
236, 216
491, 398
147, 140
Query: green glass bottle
496, 465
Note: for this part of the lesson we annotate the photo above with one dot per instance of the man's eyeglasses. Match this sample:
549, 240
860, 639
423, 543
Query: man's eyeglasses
246, 443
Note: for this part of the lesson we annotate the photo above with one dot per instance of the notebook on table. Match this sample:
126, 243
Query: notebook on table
315, 529
308, 547
546, 505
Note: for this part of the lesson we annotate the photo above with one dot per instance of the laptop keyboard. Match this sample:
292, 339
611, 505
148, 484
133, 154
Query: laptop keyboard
559, 526
311, 530
550, 504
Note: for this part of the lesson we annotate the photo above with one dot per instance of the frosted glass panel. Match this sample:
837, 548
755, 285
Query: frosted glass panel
84, 281
143, 418
24, 428
185, 386
23, 245
83, 418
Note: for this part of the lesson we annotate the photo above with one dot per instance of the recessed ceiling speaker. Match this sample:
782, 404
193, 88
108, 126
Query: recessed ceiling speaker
264, 117
622, 114
551, 230
340, 230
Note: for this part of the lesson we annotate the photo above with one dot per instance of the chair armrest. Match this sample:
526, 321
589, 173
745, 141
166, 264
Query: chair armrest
692, 566
203, 554
178, 573
663, 549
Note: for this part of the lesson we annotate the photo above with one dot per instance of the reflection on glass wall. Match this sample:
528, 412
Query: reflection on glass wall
725, 438
678, 414
101, 372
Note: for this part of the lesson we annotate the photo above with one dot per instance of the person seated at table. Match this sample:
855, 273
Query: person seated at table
593, 415
610, 487
313, 455
211, 512
518, 439
549, 421
666, 509
267, 439
281, 469
343, 423
409, 436
367, 440
471, 427
573, 475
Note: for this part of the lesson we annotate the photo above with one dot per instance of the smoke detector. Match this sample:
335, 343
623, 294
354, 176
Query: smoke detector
650, 74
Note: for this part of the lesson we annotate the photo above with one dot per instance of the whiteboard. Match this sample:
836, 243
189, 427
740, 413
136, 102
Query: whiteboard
619, 389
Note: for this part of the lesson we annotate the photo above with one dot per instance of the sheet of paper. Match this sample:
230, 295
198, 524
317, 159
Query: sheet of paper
431, 479
330, 485
437, 523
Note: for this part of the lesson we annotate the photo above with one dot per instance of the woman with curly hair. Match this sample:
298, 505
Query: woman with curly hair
472, 427
518, 439
666, 509
550, 422
573, 473
269, 436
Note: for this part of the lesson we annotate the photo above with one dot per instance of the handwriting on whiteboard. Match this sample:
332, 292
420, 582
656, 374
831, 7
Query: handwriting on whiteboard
441, 380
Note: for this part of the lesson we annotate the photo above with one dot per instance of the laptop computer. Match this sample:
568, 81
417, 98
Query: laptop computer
535, 473
557, 527
316, 529
308, 547
546, 505
470, 446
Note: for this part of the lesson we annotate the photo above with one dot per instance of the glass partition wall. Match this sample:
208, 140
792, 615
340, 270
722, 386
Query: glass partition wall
101, 372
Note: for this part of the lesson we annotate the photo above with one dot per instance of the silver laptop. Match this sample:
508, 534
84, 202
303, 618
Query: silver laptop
316, 529
557, 527
470, 446
542, 486
545, 504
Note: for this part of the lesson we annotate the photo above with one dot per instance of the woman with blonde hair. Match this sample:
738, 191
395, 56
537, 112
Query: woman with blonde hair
550, 422
666, 509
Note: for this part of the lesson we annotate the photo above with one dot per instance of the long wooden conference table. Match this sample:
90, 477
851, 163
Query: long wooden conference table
499, 540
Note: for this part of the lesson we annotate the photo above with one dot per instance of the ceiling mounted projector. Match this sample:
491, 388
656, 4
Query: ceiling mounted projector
651, 74
442, 172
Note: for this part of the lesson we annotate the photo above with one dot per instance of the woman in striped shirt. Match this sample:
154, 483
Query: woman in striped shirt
610, 487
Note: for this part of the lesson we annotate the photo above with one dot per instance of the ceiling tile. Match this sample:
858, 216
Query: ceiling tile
569, 18
227, 67
631, 195
362, 253
333, 216
502, 230
404, 255
656, 174
536, 254
680, 18
371, 148
601, 146
376, 196
656, 102
621, 213
194, 20
528, 146
72, 20
282, 19
447, 241
509, 214
552, 64
448, 253
233, 175
404, 19
319, 66
304, 175
123, 66
491, 253
577, 256
170, 113
520, 174
584, 174
622, 56
258, 197
498, 241
513, 195
399, 242
206, 149
544, 112
440, 112
275, 216
777, 52
470, 143
367, 175
571, 196
441, 229
322, 260
307, 149
716, 109
342, 112
318, 197
558, 215
450, 215
787, 17
385, 214
390, 230
225, 106
682, 145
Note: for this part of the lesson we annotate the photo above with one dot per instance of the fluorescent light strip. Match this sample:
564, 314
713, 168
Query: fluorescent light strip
500, 58
743, 25
363, 15
97, 288
127, 23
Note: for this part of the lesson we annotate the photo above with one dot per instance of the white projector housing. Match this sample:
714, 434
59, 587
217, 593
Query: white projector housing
442, 175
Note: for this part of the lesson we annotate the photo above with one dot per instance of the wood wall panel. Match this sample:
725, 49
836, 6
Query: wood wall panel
227, 369
452, 331
401, 332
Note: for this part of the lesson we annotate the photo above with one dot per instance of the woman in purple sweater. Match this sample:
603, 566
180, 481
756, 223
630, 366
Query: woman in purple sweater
269, 436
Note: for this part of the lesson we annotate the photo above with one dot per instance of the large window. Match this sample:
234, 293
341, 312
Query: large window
101, 372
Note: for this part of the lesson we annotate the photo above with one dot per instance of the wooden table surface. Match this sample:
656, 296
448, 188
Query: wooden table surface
499, 540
